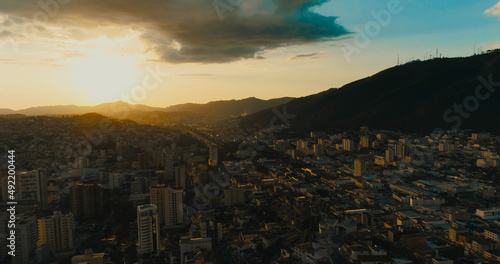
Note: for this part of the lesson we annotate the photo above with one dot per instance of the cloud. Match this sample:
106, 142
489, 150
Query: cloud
74, 55
196, 74
314, 55
5, 33
9, 21
495, 10
46, 62
183, 31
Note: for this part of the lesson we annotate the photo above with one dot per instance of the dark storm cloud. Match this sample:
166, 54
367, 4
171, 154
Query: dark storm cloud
182, 31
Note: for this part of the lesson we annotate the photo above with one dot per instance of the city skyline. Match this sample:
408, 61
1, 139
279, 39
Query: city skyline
250, 131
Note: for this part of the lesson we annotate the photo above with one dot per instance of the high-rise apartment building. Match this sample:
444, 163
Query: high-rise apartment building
213, 156
319, 150
57, 231
169, 203
148, 230
359, 167
41, 184
234, 195
348, 145
26, 186
366, 142
30, 186
180, 177
26, 237
389, 155
168, 164
86, 201
403, 148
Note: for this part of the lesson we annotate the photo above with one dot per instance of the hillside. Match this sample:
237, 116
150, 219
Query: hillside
412, 98
231, 107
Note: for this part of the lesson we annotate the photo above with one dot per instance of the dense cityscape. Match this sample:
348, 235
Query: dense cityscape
249, 132
90, 189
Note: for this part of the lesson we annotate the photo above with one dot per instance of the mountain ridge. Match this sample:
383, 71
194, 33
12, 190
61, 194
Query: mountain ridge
223, 108
414, 97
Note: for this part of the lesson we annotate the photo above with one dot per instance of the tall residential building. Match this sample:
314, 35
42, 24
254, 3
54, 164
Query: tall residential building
26, 186
42, 254
168, 164
319, 150
86, 201
148, 160
389, 155
142, 161
115, 180
26, 237
41, 186
403, 148
57, 231
136, 186
213, 156
169, 203
302, 145
82, 162
234, 195
152, 159
148, 230
359, 167
366, 142
204, 227
30, 186
348, 145
180, 177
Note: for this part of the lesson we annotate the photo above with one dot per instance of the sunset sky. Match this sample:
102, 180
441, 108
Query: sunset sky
86, 52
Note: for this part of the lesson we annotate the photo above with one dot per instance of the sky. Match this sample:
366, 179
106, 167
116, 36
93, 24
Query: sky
166, 52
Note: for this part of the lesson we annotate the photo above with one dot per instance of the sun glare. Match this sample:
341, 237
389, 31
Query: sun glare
103, 78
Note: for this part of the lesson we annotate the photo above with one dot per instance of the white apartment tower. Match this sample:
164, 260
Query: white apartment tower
148, 230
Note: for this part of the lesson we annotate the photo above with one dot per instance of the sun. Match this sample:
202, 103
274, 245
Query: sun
103, 78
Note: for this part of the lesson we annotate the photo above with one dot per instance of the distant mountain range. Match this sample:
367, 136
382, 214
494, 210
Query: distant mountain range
420, 96
119, 109
416, 97
232, 107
